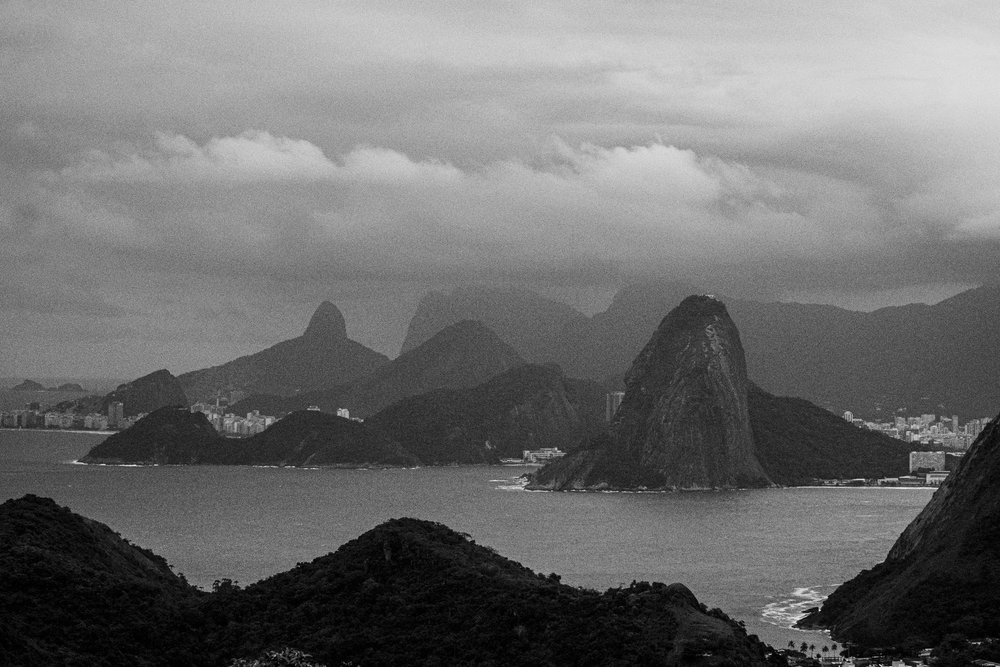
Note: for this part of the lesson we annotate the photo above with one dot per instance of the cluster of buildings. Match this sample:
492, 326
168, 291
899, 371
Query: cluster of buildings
231, 424
34, 416
927, 429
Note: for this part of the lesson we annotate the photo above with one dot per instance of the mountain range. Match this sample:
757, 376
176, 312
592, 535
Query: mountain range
940, 358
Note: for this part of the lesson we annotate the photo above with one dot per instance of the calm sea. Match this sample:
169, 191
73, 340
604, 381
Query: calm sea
762, 556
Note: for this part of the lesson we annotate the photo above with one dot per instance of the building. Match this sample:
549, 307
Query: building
116, 414
927, 461
614, 401
542, 455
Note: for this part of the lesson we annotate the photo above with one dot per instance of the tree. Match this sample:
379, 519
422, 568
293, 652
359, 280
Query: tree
804, 646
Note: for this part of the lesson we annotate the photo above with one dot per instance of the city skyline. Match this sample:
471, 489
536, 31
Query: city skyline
182, 185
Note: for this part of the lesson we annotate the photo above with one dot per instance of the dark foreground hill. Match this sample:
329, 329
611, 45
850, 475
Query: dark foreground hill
322, 356
942, 575
408, 592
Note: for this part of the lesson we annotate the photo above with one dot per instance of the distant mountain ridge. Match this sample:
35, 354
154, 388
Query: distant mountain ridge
322, 356
461, 355
525, 407
940, 358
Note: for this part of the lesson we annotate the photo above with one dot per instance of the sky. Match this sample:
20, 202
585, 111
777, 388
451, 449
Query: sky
183, 183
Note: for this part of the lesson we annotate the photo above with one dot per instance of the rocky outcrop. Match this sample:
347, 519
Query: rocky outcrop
146, 394
527, 407
321, 357
943, 573
29, 385
168, 436
683, 423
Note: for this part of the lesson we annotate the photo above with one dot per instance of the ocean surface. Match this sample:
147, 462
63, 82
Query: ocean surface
762, 556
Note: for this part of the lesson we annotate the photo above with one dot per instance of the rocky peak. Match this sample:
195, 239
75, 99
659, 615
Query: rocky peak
327, 323
685, 406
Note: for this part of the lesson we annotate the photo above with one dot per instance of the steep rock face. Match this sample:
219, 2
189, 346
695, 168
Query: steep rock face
683, 421
146, 394
169, 435
527, 407
534, 326
323, 356
943, 573
461, 355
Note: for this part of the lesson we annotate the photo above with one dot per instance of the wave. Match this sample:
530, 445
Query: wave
788, 611
511, 484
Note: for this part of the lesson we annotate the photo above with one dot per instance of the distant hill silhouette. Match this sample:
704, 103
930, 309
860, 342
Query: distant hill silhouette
168, 435
156, 390
941, 575
531, 324
322, 356
28, 385
798, 442
526, 407
940, 358
461, 355
407, 592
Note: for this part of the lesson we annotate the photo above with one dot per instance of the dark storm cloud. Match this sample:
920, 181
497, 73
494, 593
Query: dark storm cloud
162, 163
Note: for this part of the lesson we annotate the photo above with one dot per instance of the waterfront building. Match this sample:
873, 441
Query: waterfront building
542, 455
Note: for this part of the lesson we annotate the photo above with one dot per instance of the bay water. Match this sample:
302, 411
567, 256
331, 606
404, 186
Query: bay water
762, 556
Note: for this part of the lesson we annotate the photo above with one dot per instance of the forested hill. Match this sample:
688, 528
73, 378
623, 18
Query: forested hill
408, 592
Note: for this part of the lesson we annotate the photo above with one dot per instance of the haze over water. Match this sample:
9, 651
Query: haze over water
761, 556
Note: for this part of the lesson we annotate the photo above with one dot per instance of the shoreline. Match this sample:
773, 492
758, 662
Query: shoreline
57, 430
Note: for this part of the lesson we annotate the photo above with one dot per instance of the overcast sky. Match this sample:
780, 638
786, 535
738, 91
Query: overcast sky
181, 183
